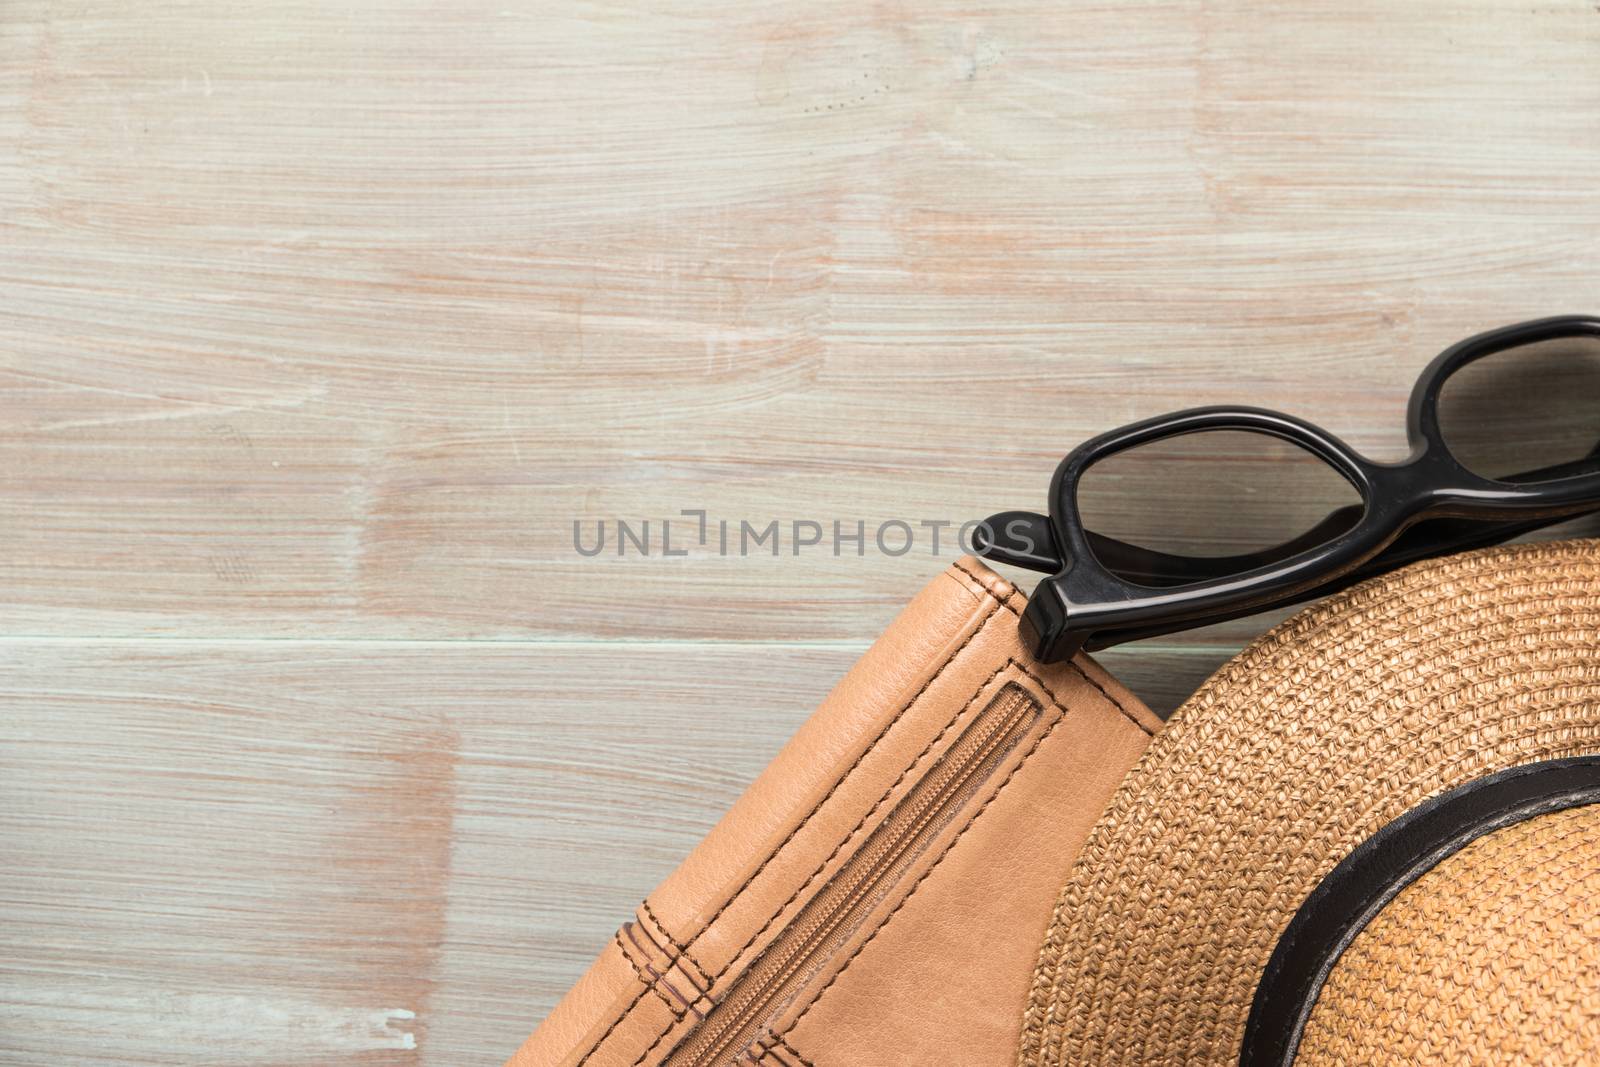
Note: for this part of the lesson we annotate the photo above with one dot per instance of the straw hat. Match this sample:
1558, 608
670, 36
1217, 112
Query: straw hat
1373, 837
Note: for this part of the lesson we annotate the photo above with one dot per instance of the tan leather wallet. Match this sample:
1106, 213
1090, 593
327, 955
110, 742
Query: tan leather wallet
879, 894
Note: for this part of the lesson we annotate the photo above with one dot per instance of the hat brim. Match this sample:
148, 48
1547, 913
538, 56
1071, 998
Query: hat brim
1326, 729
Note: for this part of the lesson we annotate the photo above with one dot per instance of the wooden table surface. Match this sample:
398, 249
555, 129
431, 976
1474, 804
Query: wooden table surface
321, 324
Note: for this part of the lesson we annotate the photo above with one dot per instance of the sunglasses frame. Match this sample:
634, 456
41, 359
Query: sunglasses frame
1086, 605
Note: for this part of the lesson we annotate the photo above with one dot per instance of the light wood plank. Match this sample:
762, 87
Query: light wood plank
332, 320
291, 853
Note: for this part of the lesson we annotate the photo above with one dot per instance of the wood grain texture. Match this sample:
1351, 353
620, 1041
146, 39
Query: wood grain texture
320, 326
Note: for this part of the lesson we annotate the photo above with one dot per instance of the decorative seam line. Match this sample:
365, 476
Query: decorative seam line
700, 971
987, 585
1113, 701
1006, 603
982, 625
685, 949
1010, 663
634, 1003
791, 1052
865, 819
923, 877
762, 1051
629, 928
677, 953
650, 982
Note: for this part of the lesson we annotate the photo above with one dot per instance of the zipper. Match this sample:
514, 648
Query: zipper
838, 909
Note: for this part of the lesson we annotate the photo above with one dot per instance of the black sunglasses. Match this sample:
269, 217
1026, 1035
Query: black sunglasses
1104, 590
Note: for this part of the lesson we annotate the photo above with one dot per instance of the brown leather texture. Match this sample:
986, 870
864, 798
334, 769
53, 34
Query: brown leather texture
879, 893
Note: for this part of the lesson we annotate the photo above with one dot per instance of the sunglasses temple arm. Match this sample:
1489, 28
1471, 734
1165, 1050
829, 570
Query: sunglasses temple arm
1417, 544
1441, 537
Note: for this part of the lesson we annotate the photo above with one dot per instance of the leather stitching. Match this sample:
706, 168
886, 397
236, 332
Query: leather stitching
655, 942
791, 1052
957, 717
661, 976
983, 624
1126, 714
675, 953
865, 819
973, 585
987, 587
648, 986
1006, 603
766, 1056
977, 595
659, 1038
1055, 703
758, 1053
713, 979
634, 1003
701, 974
649, 981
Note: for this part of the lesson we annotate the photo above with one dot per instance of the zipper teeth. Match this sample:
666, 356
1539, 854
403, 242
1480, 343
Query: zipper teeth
826, 920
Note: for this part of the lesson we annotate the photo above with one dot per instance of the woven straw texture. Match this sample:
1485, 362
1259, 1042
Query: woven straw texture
1328, 727
1492, 957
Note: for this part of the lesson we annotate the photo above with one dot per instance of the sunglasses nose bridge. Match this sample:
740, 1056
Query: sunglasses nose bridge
1426, 480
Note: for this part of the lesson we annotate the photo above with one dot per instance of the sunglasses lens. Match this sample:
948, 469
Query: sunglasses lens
1526, 414
1211, 504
